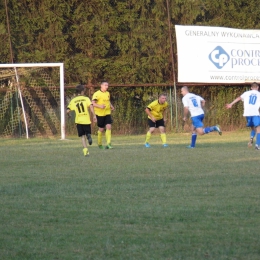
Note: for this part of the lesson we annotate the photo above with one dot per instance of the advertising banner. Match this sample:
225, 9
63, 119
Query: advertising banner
217, 54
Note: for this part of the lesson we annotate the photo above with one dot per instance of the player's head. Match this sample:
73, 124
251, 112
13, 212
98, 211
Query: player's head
104, 86
184, 90
80, 89
255, 86
162, 98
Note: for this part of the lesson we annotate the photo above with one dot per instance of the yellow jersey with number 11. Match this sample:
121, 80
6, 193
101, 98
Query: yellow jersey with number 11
80, 105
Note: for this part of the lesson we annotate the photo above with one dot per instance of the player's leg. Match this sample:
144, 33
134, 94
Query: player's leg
257, 143
252, 135
198, 123
256, 123
161, 126
193, 136
252, 122
210, 129
108, 122
152, 126
101, 128
81, 134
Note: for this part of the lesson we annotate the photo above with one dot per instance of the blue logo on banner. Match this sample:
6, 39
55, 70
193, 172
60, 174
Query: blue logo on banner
219, 57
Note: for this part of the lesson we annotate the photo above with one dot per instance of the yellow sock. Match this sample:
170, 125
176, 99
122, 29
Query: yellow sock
163, 137
148, 137
108, 136
99, 137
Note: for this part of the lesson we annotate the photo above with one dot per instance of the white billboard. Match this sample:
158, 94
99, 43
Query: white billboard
217, 54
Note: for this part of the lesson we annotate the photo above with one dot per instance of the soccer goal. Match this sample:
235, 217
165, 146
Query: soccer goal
32, 101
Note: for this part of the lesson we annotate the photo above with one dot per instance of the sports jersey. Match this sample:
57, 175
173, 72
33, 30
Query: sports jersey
157, 109
80, 105
193, 102
102, 98
251, 101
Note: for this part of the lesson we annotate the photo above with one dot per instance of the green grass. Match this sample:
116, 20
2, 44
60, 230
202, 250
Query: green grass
130, 202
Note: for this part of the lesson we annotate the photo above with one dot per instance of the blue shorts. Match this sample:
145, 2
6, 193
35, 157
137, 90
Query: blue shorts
253, 121
197, 121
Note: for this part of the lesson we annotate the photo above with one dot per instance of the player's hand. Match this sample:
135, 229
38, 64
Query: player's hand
94, 119
112, 108
69, 116
153, 119
102, 106
228, 106
184, 118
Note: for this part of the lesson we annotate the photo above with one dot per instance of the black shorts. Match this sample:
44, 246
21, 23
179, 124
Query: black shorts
102, 121
83, 129
157, 123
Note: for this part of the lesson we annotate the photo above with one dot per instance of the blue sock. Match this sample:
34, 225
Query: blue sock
193, 140
252, 134
257, 139
207, 130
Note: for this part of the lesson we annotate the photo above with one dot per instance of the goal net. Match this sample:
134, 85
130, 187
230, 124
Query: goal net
32, 100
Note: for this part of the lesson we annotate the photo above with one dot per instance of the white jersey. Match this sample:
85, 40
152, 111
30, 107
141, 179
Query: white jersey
251, 101
193, 102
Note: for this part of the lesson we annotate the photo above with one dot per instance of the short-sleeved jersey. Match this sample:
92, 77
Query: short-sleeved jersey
102, 98
80, 105
193, 102
251, 101
157, 109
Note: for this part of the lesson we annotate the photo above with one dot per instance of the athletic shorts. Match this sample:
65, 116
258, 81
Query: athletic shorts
197, 121
155, 124
253, 121
102, 121
83, 129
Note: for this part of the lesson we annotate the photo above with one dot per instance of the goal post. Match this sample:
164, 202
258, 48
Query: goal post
32, 84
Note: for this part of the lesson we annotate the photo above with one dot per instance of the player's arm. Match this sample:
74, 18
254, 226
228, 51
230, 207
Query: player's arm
112, 107
93, 113
164, 115
148, 112
185, 113
68, 112
233, 102
94, 103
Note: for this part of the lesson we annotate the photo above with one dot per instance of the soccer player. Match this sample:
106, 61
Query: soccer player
103, 108
194, 104
81, 105
251, 100
156, 119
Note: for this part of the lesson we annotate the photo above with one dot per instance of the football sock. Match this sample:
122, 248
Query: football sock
258, 139
148, 136
99, 137
108, 136
193, 140
163, 137
207, 130
252, 134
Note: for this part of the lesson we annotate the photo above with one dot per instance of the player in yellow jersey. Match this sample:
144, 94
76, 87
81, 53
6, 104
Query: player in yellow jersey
103, 108
81, 105
156, 119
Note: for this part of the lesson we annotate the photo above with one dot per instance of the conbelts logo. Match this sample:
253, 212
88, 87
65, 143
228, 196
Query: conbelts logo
219, 57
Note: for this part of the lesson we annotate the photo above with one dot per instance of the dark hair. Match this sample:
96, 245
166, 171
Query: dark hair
254, 85
80, 88
163, 95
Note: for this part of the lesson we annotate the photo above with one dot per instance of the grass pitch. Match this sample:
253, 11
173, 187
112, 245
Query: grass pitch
130, 202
